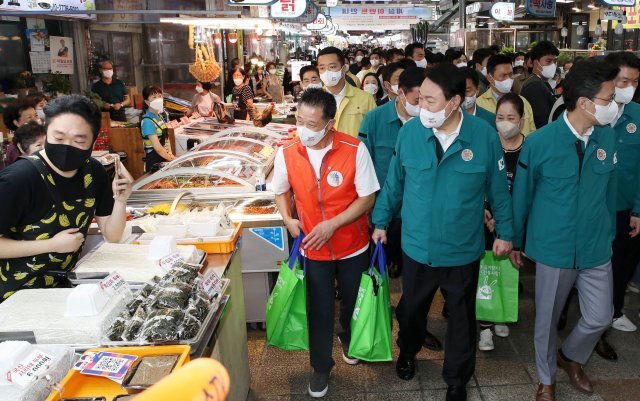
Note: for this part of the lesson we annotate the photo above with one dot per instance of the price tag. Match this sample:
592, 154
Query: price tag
167, 262
184, 120
211, 284
113, 283
196, 115
28, 370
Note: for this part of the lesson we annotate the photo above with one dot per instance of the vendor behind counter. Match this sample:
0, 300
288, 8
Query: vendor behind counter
50, 199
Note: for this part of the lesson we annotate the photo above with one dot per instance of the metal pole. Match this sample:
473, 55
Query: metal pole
161, 58
462, 4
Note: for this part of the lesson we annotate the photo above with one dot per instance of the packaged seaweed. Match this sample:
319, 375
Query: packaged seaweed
190, 327
162, 325
117, 328
173, 296
132, 332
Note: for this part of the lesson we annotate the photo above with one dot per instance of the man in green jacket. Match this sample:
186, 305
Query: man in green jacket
379, 132
626, 245
444, 163
565, 193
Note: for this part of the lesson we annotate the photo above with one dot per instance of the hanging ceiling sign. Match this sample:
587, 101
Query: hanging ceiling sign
503, 11
319, 23
250, 2
612, 15
332, 3
310, 14
378, 17
288, 9
542, 8
327, 29
52, 6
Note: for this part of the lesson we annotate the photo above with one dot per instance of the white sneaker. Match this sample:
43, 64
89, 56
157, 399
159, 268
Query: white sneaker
318, 385
502, 330
632, 287
345, 354
623, 324
486, 340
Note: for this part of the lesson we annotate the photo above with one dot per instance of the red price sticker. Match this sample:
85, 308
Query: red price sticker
167, 262
211, 284
113, 283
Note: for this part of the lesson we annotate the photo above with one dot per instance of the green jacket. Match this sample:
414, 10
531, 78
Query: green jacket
442, 204
379, 132
628, 168
568, 209
486, 115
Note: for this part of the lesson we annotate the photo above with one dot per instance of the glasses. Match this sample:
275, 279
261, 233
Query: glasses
606, 100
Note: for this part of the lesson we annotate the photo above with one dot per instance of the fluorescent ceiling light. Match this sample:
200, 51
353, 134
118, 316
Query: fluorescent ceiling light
565, 1
222, 23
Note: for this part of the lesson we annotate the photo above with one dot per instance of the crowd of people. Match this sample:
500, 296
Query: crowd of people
446, 158
438, 157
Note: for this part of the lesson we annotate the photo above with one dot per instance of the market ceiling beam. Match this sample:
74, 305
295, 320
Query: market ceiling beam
110, 12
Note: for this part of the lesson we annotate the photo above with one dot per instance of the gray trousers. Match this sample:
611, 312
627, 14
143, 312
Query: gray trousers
595, 292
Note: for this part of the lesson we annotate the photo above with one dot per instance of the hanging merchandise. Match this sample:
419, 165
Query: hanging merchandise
420, 32
205, 68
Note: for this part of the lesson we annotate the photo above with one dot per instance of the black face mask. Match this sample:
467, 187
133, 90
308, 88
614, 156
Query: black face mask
66, 157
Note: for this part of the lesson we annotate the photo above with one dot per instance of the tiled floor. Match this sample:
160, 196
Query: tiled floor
507, 373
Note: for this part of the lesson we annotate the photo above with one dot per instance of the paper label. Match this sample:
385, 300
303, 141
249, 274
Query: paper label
211, 284
113, 283
184, 120
111, 365
167, 262
28, 370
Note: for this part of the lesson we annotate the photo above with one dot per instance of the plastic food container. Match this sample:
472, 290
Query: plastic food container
86, 300
76, 385
208, 228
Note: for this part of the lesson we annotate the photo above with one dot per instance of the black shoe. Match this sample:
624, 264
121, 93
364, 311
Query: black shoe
456, 393
605, 350
406, 368
431, 342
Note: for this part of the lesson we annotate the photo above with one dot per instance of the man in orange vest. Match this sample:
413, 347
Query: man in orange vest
334, 183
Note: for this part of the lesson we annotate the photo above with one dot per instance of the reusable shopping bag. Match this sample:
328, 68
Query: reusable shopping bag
287, 305
371, 320
497, 295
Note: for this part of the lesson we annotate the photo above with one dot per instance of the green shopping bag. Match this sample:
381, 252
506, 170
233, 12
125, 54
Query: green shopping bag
497, 295
371, 321
287, 305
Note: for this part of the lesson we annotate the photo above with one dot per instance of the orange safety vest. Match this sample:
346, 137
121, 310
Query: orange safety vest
321, 199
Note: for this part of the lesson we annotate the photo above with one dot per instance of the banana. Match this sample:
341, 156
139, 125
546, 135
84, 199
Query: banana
30, 282
67, 206
53, 259
79, 218
84, 222
2, 277
8, 294
90, 202
26, 228
13, 230
42, 237
48, 280
51, 219
37, 267
50, 178
87, 180
19, 275
64, 221
66, 261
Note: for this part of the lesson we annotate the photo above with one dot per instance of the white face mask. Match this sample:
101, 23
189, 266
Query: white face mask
548, 71
331, 78
412, 110
394, 89
508, 129
272, 71
504, 86
40, 114
434, 120
313, 86
518, 63
623, 95
371, 88
107, 73
605, 114
484, 71
309, 137
359, 59
552, 83
375, 63
421, 63
469, 102
461, 64
238, 81
199, 89
157, 104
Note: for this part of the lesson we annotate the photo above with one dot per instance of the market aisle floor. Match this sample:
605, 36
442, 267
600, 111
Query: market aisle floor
507, 373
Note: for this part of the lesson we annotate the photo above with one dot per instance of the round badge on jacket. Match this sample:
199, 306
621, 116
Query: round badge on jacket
601, 154
335, 179
467, 155
631, 128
